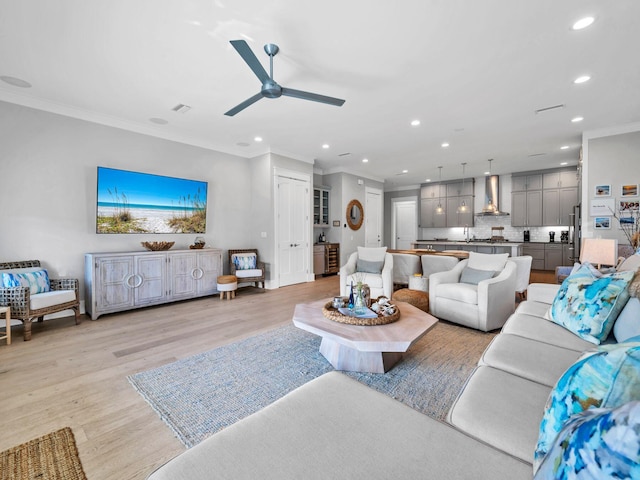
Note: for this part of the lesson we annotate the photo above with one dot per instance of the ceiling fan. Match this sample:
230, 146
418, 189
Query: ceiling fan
270, 87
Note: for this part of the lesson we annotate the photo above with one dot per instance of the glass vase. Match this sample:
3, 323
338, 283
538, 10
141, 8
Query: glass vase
359, 306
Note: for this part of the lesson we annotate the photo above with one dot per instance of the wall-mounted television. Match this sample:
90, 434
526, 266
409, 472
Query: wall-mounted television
134, 202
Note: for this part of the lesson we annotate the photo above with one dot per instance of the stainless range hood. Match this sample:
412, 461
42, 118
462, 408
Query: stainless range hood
492, 198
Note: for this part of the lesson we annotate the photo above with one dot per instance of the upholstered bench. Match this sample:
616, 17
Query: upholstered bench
227, 284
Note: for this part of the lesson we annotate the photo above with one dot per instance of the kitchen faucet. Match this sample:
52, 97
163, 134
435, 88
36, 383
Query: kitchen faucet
467, 232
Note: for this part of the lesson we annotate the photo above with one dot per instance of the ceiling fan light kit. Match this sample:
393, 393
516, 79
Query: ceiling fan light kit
271, 88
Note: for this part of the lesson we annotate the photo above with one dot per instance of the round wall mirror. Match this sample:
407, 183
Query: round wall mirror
355, 215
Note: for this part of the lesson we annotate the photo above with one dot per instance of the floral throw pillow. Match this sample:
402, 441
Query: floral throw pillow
37, 282
606, 377
245, 262
588, 305
596, 444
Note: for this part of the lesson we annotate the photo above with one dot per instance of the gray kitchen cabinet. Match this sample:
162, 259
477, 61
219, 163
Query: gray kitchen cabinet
526, 208
560, 179
433, 191
459, 219
459, 189
428, 216
526, 182
536, 250
552, 256
558, 205
450, 196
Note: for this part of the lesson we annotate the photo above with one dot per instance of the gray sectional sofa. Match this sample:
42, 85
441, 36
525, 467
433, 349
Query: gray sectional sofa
335, 427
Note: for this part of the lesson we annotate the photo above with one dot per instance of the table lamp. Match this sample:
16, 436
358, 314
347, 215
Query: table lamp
599, 251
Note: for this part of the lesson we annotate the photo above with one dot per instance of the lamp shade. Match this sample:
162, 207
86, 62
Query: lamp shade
599, 251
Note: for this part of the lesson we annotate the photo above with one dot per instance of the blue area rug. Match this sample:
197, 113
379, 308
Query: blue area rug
200, 395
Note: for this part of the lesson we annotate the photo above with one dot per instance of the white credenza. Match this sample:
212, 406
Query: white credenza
125, 280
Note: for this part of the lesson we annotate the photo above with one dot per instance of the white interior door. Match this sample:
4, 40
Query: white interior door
405, 224
293, 228
373, 218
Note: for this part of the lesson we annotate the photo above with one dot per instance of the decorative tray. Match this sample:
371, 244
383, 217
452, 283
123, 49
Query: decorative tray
333, 314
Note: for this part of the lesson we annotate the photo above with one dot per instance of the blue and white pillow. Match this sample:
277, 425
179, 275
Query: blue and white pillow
37, 282
606, 377
245, 262
588, 305
596, 444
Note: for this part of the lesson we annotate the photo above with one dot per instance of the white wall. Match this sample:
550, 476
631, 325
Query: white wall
611, 158
48, 188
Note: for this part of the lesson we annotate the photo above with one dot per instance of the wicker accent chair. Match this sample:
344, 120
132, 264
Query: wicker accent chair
20, 299
255, 276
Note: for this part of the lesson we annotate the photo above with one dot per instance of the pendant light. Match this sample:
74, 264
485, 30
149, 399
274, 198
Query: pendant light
462, 208
439, 209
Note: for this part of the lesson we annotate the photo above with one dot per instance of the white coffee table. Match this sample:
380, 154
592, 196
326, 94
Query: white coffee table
358, 348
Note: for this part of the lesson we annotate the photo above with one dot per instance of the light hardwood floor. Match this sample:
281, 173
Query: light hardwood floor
75, 375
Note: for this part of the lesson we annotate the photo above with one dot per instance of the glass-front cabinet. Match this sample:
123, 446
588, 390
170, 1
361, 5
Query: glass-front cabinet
320, 206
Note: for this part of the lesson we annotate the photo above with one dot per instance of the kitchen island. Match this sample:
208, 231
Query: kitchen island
514, 249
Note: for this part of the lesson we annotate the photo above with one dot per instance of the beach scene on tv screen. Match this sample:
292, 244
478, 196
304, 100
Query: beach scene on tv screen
133, 202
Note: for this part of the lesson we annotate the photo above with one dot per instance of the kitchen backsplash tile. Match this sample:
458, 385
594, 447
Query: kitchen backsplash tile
482, 229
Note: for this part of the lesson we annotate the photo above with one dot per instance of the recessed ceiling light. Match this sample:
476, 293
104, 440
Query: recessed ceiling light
257, 139
158, 121
405, 171
16, 82
415, 123
564, 147
564, 163
582, 79
444, 145
427, 179
325, 146
365, 160
487, 173
583, 23
577, 119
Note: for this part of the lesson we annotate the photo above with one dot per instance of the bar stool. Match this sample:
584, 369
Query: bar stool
7, 316
227, 284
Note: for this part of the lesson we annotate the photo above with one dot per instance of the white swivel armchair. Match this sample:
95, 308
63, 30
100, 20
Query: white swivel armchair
373, 266
478, 292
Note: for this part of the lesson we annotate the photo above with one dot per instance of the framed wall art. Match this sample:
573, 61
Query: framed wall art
602, 223
603, 191
629, 190
628, 206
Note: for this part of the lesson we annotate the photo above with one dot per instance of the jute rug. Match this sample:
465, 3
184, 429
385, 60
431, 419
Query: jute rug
200, 395
51, 457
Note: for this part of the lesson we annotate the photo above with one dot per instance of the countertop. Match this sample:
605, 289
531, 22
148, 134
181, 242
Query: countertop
472, 243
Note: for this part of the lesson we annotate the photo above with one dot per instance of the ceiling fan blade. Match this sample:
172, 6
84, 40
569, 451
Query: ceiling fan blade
290, 92
250, 58
243, 105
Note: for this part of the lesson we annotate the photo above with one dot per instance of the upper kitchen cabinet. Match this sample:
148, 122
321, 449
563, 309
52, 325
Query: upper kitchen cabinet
560, 179
320, 207
428, 216
460, 189
433, 191
560, 194
521, 183
450, 195
544, 198
526, 208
